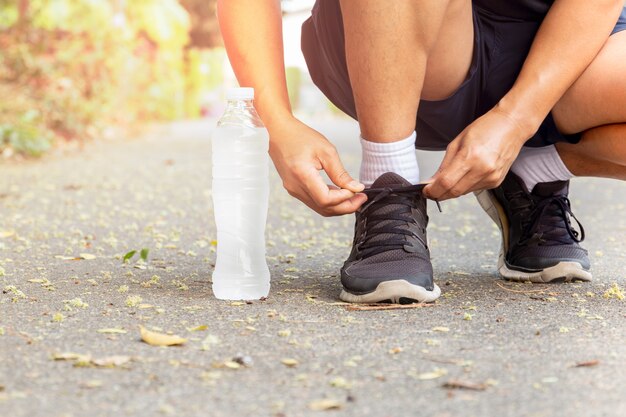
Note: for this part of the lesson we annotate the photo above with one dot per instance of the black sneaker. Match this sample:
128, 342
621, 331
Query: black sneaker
538, 241
390, 261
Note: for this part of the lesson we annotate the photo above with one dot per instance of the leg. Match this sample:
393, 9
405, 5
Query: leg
390, 72
607, 144
596, 104
397, 52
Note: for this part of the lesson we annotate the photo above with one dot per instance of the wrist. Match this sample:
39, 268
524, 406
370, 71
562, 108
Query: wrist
526, 120
280, 124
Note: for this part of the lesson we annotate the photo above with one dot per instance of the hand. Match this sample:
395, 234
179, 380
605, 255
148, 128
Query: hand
479, 158
299, 154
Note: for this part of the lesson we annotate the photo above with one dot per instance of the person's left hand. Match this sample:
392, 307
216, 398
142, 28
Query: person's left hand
479, 158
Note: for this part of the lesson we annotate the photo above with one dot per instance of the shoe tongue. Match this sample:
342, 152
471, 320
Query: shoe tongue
390, 179
551, 189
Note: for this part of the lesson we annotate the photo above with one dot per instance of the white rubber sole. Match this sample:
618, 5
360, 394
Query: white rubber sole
564, 271
393, 291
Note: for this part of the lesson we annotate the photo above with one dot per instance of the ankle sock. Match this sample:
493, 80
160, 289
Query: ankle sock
535, 165
398, 157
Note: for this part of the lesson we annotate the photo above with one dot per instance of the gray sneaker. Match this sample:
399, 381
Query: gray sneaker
390, 260
539, 243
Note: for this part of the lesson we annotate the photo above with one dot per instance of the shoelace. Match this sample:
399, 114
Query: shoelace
396, 220
549, 224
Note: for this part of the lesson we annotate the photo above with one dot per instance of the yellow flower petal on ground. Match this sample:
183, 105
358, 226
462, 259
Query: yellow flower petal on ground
325, 404
112, 330
289, 362
160, 339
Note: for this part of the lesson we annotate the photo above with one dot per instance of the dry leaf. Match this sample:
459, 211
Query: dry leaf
68, 356
289, 362
593, 362
437, 373
160, 339
198, 328
111, 361
66, 258
340, 382
458, 384
325, 404
112, 330
92, 383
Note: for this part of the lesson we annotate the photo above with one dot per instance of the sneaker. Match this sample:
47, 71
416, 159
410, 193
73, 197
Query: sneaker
538, 241
390, 260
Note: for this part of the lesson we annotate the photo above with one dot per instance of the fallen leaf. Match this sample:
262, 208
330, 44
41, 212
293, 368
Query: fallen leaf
160, 339
458, 384
67, 258
232, 365
197, 328
112, 330
590, 363
284, 333
340, 382
436, 373
129, 255
289, 362
69, 356
614, 292
111, 361
325, 404
92, 383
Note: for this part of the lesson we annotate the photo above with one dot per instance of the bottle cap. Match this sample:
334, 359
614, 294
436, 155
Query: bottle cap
240, 93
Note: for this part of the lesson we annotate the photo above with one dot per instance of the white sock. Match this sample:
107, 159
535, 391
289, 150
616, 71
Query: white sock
398, 157
535, 165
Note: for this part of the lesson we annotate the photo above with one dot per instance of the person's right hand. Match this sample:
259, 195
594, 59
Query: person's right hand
299, 154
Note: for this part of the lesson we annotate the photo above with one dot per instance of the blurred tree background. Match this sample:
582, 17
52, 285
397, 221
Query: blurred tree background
71, 69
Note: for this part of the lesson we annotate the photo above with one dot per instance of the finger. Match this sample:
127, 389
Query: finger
347, 207
468, 183
446, 179
323, 196
331, 163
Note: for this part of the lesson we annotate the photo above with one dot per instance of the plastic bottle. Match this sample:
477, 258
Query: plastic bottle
240, 199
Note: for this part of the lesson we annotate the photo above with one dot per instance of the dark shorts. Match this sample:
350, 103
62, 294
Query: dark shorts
500, 48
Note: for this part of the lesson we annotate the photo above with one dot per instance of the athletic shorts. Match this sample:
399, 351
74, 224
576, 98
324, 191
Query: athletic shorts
501, 45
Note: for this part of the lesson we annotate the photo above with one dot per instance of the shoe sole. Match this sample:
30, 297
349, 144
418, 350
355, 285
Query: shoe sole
396, 291
561, 272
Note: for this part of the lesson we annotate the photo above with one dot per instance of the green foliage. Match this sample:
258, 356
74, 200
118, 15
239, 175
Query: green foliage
25, 136
73, 68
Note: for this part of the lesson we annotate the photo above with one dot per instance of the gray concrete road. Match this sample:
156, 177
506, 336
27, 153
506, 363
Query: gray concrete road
517, 345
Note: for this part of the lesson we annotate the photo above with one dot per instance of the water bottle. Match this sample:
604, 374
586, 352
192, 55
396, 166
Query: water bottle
240, 199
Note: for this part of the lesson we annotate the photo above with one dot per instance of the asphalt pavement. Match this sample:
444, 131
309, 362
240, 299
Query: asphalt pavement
70, 307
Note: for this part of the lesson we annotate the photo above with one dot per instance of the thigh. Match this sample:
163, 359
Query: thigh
450, 58
598, 97
323, 46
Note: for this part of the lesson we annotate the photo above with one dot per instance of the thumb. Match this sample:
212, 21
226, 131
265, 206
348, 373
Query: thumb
338, 174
